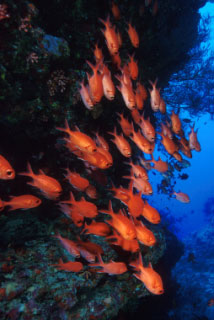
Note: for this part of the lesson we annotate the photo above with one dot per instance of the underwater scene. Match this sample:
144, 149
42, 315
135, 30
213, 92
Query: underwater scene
106, 160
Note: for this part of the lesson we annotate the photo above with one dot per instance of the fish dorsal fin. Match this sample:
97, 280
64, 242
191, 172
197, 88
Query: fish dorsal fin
150, 265
100, 259
72, 196
140, 259
131, 186
41, 172
110, 207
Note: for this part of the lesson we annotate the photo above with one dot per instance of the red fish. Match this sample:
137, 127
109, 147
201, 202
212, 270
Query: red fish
121, 224
127, 245
115, 10
182, 197
76, 180
73, 214
91, 247
169, 144
81, 140
133, 68
150, 278
95, 83
69, 245
133, 36
6, 171
176, 123
111, 267
144, 235
102, 142
84, 92
140, 184
127, 94
108, 85
116, 60
147, 129
193, 141
49, 186
125, 125
159, 165
135, 202
91, 192
71, 266
85, 208
142, 91
155, 98
111, 36
150, 213
24, 202
138, 171
142, 143
166, 131
98, 53
136, 116
122, 144
97, 228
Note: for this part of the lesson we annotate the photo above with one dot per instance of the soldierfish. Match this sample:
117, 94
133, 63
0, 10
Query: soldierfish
69, 245
127, 245
95, 83
138, 171
81, 140
84, 92
108, 85
125, 125
6, 171
150, 213
169, 144
144, 235
49, 186
122, 144
98, 53
121, 223
71, 266
133, 68
133, 36
147, 129
97, 228
148, 276
111, 36
176, 123
115, 10
182, 197
155, 98
193, 140
127, 94
85, 208
142, 143
72, 213
76, 180
159, 165
24, 202
110, 267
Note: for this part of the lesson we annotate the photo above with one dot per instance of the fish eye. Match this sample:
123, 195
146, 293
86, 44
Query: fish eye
94, 150
9, 172
38, 201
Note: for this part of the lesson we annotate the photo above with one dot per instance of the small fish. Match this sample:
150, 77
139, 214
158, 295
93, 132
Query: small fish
90, 247
193, 140
122, 144
49, 186
121, 223
86, 99
127, 245
135, 202
166, 131
141, 184
102, 142
159, 165
142, 143
125, 125
95, 83
176, 123
182, 197
111, 267
142, 90
162, 106
138, 171
71, 266
85, 208
72, 213
210, 302
76, 180
150, 278
136, 116
133, 35
127, 94
150, 213
97, 228
144, 235
81, 140
147, 129
110, 36
183, 176
116, 60
98, 53
108, 85
169, 144
138, 99
155, 97
133, 67
69, 245
6, 171
91, 192
24, 202
115, 10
